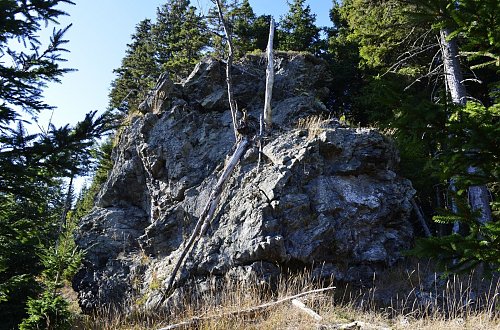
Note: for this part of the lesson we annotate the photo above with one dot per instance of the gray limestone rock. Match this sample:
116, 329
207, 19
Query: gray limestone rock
331, 201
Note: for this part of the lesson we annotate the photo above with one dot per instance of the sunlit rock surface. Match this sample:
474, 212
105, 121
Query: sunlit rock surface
326, 198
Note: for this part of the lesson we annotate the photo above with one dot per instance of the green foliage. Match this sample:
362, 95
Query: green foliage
402, 91
60, 263
26, 223
50, 311
138, 72
249, 32
25, 72
473, 140
456, 253
32, 202
174, 44
342, 56
28, 159
85, 201
381, 29
297, 29
474, 21
179, 37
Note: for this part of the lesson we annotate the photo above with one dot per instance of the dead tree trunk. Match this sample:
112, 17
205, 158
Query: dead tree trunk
452, 71
213, 201
420, 217
479, 199
478, 195
229, 77
269, 78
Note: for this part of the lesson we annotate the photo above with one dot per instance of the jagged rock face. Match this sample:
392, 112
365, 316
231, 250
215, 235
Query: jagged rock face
329, 200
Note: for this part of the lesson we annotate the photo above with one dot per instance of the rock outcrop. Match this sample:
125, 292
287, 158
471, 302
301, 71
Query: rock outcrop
326, 197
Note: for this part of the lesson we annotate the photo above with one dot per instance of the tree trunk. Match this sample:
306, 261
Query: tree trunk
478, 195
213, 201
420, 217
452, 70
229, 77
479, 199
207, 213
269, 78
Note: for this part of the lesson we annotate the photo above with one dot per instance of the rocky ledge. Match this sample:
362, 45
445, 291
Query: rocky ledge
326, 197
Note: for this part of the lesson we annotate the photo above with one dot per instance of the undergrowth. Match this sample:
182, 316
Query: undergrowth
404, 297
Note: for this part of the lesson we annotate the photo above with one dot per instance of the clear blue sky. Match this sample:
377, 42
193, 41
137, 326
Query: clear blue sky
97, 41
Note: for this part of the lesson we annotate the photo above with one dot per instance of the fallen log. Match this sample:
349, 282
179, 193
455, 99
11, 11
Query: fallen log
247, 311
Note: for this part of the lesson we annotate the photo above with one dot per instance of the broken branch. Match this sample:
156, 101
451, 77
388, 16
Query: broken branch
300, 305
208, 212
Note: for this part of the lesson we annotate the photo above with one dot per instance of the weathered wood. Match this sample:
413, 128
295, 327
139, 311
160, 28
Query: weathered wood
479, 199
452, 71
300, 305
269, 78
359, 325
243, 312
207, 213
217, 191
260, 138
214, 198
229, 64
478, 195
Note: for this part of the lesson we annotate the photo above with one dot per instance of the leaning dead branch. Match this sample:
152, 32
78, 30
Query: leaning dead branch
215, 195
208, 212
420, 216
242, 312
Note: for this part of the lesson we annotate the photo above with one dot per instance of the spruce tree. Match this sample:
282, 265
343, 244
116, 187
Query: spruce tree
297, 29
180, 36
138, 72
250, 31
33, 165
419, 89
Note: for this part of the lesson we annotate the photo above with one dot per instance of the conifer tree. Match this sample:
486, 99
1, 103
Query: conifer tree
138, 72
249, 32
297, 29
32, 165
180, 36
414, 47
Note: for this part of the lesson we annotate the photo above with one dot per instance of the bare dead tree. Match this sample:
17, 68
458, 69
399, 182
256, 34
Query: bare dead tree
478, 195
269, 78
207, 213
229, 65
215, 195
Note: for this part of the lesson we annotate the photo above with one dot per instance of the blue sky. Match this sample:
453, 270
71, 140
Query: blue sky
97, 41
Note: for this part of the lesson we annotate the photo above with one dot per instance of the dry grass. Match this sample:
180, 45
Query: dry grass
399, 299
314, 125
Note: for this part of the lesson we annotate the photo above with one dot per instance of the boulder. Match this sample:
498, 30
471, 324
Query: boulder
326, 198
